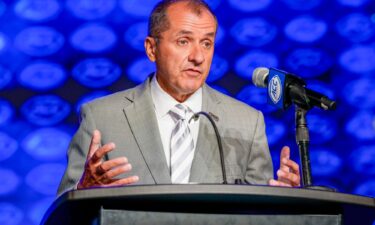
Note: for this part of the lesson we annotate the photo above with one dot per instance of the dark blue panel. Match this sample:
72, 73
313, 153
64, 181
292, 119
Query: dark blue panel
96, 72
39, 41
353, 3
36, 212
219, 68
356, 27
302, 4
358, 59
8, 146
275, 130
140, 69
2, 8
366, 188
133, 8
93, 38
247, 63
135, 35
42, 75
306, 29
37, 10
45, 177
358, 93
9, 181
249, 6
10, 214
5, 77
325, 162
6, 112
255, 97
308, 62
361, 126
362, 160
45, 110
46, 144
90, 9
254, 32
3, 42
322, 128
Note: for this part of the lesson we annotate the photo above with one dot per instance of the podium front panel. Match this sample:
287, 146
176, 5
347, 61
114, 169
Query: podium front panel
125, 217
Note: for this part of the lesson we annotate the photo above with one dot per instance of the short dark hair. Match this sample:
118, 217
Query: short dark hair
158, 21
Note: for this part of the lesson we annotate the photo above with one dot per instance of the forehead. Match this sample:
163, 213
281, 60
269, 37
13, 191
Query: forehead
182, 16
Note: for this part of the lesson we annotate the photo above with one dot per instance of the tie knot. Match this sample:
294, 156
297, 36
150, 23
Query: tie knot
178, 112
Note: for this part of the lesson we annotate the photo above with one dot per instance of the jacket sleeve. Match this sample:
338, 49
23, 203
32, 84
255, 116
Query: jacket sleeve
259, 167
77, 151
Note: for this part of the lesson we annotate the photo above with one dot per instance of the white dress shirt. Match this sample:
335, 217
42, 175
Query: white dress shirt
163, 102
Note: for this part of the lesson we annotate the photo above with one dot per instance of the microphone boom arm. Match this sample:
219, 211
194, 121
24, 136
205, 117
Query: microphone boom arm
218, 138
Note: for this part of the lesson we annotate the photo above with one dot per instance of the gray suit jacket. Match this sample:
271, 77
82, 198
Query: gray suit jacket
128, 119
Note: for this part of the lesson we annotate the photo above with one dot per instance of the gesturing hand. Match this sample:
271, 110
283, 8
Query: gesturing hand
288, 174
102, 174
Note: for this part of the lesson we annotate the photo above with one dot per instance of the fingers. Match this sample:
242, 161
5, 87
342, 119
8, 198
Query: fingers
284, 157
113, 172
95, 143
108, 165
103, 174
290, 165
290, 178
123, 181
288, 174
100, 173
101, 152
285, 152
273, 182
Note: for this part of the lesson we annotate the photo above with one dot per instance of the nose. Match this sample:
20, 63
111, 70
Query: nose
196, 55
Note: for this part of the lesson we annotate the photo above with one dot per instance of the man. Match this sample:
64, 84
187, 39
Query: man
150, 124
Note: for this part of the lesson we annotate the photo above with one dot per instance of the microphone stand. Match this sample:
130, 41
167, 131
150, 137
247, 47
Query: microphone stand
218, 138
298, 95
303, 141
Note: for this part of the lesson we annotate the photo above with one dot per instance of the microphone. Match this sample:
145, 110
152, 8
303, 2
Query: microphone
285, 88
211, 117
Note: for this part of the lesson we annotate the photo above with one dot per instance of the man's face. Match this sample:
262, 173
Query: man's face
184, 52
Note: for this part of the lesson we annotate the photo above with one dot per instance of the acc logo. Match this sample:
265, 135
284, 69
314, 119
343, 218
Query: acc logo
274, 89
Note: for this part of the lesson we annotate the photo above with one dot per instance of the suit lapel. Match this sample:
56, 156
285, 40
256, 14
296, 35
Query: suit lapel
140, 114
206, 148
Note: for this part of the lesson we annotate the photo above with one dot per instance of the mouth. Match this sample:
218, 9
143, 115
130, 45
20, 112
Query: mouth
193, 72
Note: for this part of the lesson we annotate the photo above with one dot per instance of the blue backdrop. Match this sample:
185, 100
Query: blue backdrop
55, 55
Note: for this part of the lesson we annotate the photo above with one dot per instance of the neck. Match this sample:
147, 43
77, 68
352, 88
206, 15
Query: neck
181, 98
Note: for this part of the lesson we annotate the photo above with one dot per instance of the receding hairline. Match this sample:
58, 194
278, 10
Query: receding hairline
194, 7
159, 21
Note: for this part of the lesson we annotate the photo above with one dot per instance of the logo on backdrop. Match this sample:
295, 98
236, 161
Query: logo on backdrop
275, 89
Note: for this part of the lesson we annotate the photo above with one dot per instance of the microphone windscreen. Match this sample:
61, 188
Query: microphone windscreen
260, 76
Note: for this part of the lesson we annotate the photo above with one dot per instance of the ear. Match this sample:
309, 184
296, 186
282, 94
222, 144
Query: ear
150, 47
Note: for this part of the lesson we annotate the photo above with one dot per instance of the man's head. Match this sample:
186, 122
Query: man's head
181, 43
158, 21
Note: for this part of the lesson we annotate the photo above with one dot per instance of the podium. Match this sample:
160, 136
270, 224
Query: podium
209, 204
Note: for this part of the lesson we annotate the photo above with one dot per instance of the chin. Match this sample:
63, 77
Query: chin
189, 89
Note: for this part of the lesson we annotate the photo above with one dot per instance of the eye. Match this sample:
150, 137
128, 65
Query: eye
182, 41
207, 44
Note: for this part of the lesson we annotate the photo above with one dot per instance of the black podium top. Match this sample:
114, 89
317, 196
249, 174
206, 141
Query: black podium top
83, 205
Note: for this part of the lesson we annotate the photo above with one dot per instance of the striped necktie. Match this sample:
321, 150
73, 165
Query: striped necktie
182, 146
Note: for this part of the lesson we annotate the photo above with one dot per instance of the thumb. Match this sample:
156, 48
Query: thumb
95, 143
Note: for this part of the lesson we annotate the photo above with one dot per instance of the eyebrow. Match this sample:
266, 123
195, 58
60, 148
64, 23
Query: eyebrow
186, 32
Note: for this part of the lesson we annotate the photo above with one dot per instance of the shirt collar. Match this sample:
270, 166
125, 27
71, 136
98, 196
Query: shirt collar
163, 102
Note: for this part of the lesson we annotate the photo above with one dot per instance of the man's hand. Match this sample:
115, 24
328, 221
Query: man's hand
102, 174
288, 175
